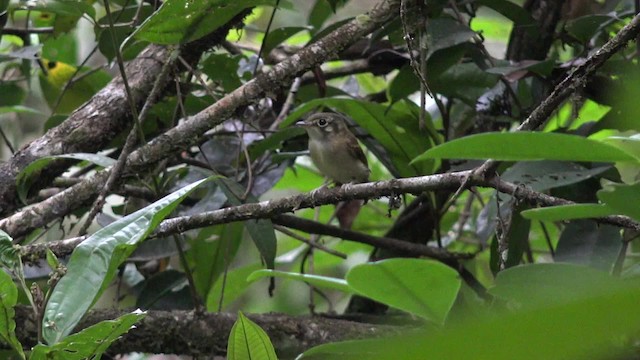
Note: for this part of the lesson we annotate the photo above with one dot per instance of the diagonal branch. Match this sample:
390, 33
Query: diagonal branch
189, 131
274, 208
94, 125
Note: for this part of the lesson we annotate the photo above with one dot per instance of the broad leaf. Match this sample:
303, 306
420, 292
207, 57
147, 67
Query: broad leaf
94, 264
590, 326
543, 284
248, 341
422, 287
26, 176
261, 230
182, 21
568, 212
622, 198
233, 285
211, 252
588, 243
89, 343
8, 299
526, 146
277, 36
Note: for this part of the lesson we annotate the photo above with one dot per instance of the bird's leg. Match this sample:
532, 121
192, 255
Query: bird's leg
322, 187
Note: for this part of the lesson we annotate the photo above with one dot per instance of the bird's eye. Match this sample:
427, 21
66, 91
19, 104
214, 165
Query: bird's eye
322, 122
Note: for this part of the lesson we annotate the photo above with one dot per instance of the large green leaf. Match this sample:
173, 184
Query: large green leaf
395, 128
315, 280
445, 32
514, 12
9, 256
261, 230
26, 177
182, 21
8, 299
586, 327
248, 341
526, 146
89, 343
233, 285
622, 198
277, 36
211, 252
586, 242
422, 287
568, 212
94, 263
543, 284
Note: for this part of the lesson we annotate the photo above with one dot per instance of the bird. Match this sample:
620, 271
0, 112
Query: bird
334, 149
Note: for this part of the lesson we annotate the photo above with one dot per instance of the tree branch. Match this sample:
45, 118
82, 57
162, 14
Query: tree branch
94, 125
275, 207
190, 130
185, 333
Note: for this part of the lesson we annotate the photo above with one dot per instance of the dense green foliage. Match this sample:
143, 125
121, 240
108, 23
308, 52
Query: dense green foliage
547, 270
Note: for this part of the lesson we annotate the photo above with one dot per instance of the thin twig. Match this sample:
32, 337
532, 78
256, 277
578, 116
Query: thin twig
130, 143
288, 104
197, 301
266, 34
547, 238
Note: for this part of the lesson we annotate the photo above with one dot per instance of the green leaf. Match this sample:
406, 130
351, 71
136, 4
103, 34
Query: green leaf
164, 285
9, 256
261, 230
526, 146
586, 327
12, 95
586, 27
446, 32
630, 144
586, 242
568, 212
8, 299
18, 109
512, 11
622, 198
234, 285
273, 141
183, 21
106, 35
212, 252
404, 84
52, 260
26, 177
89, 343
94, 264
545, 284
277, 36
248, 341
223, 69
422, 287
315, 280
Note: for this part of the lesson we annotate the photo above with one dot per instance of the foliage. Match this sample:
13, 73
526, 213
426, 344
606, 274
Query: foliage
429, 91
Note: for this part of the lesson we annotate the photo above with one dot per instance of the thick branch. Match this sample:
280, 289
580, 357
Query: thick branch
189, 131
183, 332
94, 125
273, 208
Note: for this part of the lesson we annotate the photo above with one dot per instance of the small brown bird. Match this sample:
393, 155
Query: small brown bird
334, 149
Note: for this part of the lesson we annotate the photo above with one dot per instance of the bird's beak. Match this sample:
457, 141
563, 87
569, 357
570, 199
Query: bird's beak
301, 124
